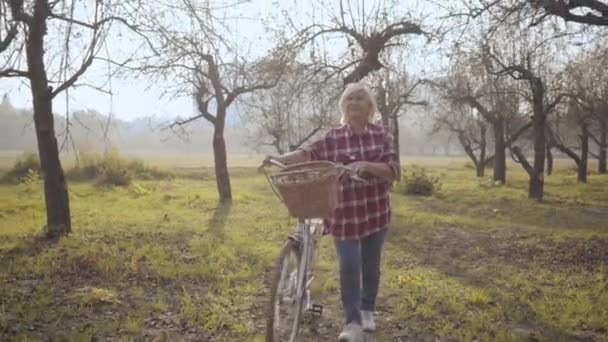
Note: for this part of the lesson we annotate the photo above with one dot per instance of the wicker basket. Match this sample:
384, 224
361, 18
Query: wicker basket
309, 190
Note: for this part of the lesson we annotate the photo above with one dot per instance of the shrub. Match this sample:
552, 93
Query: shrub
419, 182
21, 169
31, 182
112, 169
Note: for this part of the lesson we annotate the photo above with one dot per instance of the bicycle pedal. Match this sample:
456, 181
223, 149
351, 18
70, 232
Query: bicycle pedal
316, 310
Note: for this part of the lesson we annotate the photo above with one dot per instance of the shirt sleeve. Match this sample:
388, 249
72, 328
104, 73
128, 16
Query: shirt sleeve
319, 149
389, 156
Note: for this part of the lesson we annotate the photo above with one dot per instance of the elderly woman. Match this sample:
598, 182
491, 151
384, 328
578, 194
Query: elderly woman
359, 223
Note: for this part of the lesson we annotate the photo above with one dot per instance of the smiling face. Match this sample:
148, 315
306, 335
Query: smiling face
357, 107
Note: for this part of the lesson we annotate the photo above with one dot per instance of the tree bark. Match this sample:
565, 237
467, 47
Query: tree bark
381, 103
222, 177
536, 185
582, 168
396, 144
601, 168
549, 160
582, 160
55, 187
482, 152
500, 158
469, 151
480, 170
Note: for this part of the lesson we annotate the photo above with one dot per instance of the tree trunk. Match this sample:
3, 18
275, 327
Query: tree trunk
582, 161
446, 147
500, 158
536, 185
549, 160
396, 144
277, 145
481, 166
480, 170
469, 151
582, 168
222, 177
381, 103
55, 187
601, 168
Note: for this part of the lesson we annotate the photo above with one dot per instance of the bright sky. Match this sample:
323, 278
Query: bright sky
138, 98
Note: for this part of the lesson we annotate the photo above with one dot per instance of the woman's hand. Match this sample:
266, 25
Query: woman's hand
269, 157
359, 167
289, 158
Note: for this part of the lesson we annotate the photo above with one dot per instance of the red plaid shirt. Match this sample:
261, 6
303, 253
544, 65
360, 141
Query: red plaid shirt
364, 207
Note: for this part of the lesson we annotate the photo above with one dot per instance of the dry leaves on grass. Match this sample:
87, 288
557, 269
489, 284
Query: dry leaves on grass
93, 296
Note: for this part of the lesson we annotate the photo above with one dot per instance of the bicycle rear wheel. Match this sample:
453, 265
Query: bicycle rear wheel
285, 307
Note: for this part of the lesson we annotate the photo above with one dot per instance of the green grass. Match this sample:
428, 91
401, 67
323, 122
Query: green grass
161, 259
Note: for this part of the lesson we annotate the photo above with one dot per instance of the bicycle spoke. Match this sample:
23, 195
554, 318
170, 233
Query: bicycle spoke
286, 301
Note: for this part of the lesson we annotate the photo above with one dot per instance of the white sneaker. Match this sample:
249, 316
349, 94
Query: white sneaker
351, 333
367, 321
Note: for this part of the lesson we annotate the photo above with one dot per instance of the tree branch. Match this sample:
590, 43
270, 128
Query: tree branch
13, 73
96, 26
18, 13
555, 102
519, 132
595, 139
479, 107
519, 158
193, 118
247, 89
10, 36
400, 28
85, 65
416, 103
308, 136
359, 38
203, 109
569, 152
562, 9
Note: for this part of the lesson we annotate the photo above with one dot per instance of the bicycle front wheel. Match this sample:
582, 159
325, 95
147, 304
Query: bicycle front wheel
285, 307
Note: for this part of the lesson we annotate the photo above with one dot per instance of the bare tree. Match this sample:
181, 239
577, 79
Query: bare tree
396, 92
495, 101
528, 67
26, 54
601, 138
578, 118
207, 66
369, 32
286, 116
469, 128
590, 89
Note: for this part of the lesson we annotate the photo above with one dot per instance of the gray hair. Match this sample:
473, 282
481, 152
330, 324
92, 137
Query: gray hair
352, 88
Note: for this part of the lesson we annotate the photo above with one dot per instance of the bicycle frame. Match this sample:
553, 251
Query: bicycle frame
306, 235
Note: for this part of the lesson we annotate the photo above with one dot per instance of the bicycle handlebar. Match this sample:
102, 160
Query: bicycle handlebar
271, 161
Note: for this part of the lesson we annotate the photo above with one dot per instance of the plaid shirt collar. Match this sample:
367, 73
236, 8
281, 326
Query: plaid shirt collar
352, 132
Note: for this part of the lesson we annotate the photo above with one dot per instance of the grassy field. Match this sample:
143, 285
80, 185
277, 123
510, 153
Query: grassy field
162, 260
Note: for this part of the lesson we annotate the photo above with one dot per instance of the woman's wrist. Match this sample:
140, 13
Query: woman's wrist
378, 169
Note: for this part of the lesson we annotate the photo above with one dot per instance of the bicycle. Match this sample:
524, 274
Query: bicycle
294, 269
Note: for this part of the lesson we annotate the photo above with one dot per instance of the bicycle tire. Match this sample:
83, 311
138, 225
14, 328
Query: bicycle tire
290, 247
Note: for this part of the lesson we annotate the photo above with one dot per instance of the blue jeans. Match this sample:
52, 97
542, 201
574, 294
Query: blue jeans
359, 273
